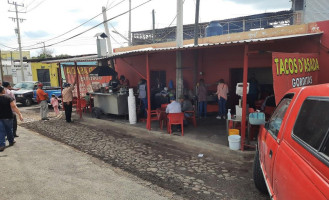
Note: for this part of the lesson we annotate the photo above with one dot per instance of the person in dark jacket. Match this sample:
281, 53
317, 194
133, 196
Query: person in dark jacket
7, 106
202, 98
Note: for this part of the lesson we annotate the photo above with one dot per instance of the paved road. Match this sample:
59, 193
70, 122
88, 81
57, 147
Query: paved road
40, 168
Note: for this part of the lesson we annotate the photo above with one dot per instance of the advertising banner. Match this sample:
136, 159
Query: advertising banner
292, 70
86, 83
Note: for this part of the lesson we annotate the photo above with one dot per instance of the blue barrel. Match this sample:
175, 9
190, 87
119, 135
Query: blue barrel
214, 28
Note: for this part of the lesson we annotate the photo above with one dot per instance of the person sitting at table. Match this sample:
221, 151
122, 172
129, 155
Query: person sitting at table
87, 98
174, 107
186, 105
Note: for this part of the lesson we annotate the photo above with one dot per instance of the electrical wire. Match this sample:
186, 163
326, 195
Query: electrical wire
8, 46
78, 26
41, 2
91, 27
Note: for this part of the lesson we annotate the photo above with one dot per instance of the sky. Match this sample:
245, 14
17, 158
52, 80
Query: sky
47, 20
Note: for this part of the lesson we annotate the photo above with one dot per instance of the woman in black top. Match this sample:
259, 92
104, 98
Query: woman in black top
7, 107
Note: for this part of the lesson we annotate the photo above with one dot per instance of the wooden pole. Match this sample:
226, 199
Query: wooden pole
244, 96
148, 121
78, 89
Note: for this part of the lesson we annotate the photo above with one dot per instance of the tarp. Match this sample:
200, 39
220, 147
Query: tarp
292, 70
87, 83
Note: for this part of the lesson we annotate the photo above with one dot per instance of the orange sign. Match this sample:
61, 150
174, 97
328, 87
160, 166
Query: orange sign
292, 70
86, 83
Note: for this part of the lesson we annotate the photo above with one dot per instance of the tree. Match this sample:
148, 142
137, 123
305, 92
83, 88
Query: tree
45, 53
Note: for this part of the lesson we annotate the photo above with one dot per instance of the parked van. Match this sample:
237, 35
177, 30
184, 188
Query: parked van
292, 158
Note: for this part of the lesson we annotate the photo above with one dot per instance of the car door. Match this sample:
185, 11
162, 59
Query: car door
274, 126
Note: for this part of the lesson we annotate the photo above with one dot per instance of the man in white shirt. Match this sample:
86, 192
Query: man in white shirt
174, 106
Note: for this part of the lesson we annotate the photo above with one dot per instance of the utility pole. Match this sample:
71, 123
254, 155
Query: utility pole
129, 29
196, 53
44, 49
179, 43
1, 66
153, 25
108, 39
19, 35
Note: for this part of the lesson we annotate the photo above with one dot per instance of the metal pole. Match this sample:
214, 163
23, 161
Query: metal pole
61, 83
78, 89
153, 25
106, 27
196, 24
244, 96
196, 55
19, 44
129, 30
179, 43
148, 121
179, 30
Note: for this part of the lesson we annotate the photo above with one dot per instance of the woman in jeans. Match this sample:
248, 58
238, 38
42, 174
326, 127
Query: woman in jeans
222, 91
7, 107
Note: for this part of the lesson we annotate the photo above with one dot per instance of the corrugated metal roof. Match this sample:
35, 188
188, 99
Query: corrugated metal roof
185, 47
78, 59
191, 46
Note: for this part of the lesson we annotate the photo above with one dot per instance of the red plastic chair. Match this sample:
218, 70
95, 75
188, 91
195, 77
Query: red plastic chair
175, 119
155, 116
83, 105
164, 106
191, 116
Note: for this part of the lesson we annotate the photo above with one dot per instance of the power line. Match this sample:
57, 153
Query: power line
36, 6
77, 26
92, 27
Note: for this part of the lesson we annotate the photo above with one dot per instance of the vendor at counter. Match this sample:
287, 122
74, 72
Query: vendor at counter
124, 82
113, 84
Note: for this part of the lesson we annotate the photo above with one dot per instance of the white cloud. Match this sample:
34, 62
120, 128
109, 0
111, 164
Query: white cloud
55, 17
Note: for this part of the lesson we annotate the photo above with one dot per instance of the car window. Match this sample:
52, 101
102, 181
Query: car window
24, 86
312, 124
274, 124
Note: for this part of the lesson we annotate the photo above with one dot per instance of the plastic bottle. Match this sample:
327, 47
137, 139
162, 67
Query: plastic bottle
229, 114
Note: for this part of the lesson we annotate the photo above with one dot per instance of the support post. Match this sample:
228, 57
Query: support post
179, 43
196, 53
153, 26
129, 29
78, 89
244, 96
148, 120
61, 82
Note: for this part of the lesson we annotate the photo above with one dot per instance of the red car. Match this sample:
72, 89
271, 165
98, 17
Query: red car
292, 158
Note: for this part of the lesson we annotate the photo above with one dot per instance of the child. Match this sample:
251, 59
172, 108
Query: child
54, 103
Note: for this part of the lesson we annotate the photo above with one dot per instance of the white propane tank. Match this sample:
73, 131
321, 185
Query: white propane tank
132, 107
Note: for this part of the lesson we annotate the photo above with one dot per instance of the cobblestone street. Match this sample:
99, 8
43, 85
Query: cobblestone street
174, 167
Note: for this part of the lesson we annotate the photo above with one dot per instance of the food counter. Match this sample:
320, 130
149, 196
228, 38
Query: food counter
111, 103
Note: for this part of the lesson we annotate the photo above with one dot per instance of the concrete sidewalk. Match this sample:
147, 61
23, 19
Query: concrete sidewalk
41, 168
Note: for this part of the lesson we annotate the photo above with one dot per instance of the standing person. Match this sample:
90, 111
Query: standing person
7, 106
67, 100
124, 82
222, 91
202, 98
9, 93
142, 95
42, 98
54, 103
